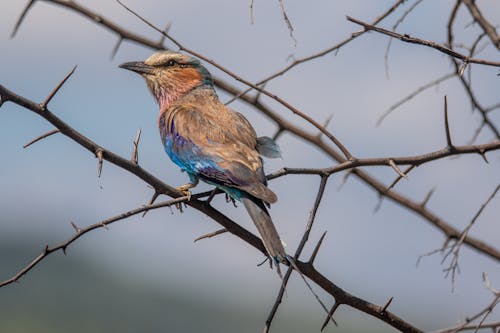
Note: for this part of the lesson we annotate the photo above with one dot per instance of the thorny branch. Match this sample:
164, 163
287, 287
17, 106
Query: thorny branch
306, 268
286, 125
441, 48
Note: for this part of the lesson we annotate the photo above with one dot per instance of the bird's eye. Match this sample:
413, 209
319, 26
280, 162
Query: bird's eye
171, 63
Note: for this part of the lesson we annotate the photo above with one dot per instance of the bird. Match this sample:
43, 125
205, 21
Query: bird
210, 141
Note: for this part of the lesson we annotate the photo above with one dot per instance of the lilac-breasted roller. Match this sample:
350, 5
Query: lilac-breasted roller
208, 140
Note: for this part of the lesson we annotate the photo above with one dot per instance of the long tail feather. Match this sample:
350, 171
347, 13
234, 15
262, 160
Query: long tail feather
265, 226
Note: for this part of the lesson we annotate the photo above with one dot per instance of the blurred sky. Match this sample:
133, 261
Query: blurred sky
371, 255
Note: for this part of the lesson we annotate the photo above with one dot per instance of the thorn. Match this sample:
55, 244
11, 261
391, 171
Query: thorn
103, 225
446, 124
135, 151
344, 179
165, 33
77, 230
117, 46
46, 249
56, 89
398, 171
21, 18
64, 249
99, 164
264, 261
379, 203
278, 134
384, 309
482, 152
411, 167
461, 70
151, 201
211, 196
212, 234
43, 136
330, 316
316, 249
427, 197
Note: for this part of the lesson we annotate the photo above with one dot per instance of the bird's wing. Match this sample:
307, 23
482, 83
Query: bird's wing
218, 147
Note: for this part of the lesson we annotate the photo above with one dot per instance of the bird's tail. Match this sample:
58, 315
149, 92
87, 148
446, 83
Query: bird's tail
265, 226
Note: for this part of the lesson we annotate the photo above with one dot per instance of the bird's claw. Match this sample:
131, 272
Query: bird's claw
185, 190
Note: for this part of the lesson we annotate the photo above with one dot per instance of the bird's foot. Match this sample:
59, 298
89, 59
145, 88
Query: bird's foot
185, 189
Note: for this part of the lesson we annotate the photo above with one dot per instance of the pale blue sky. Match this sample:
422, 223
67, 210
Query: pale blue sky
371, 255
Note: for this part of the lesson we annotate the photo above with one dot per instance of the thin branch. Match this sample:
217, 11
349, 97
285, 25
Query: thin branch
414, 94
441, 48
43, 136
82, 231
394, 27
319, 54
485, 25
287, 21
305, 237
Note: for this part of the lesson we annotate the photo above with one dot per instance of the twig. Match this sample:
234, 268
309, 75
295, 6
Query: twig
305, 237
441, 48
82, 231
414, 94
287, 21
485, 25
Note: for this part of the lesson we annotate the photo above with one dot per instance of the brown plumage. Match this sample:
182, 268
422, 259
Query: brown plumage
209, 140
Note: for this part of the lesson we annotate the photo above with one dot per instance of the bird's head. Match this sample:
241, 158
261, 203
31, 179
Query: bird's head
169, 75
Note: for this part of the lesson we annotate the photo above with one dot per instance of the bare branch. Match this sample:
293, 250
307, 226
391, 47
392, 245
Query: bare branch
414, 94
485, 25
408, 39
305, 237
287, 21
82, 231
160, 187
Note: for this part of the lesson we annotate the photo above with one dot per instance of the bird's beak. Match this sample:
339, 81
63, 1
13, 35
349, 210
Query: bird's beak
138, 67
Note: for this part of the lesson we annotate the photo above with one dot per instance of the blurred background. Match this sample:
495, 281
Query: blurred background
146, 274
